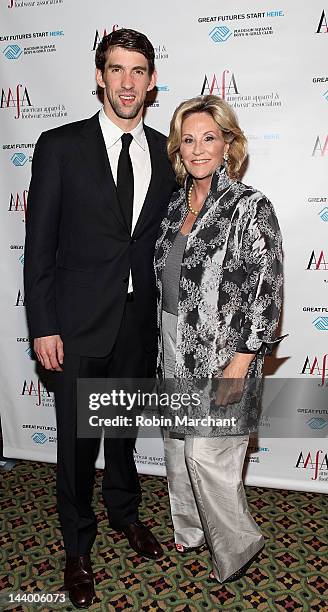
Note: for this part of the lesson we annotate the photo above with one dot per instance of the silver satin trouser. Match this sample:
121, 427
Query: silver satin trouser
206, 490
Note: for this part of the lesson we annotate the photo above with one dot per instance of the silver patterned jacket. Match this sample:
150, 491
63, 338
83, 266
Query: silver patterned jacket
231, 280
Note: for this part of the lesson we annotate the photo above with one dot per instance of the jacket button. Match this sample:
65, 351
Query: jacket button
133, 240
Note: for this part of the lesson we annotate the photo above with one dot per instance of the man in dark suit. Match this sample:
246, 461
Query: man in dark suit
98, 192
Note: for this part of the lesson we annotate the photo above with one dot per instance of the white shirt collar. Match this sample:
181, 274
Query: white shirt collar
112, 133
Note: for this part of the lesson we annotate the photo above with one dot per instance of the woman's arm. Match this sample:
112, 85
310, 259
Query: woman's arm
262, 256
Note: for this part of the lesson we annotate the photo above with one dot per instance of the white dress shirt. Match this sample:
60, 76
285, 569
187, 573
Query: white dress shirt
140, 158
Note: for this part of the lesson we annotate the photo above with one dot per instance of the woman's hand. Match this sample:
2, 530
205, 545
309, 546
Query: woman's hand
231, 386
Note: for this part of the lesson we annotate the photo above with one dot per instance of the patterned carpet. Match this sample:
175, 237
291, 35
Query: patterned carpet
291, 573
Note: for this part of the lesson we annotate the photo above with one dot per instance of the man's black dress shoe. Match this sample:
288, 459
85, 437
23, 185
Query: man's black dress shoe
78, 580
142, 540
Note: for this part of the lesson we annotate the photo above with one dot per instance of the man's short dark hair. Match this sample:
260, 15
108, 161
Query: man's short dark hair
128, 39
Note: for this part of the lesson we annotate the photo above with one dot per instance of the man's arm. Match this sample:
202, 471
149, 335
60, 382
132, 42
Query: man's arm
50, 352
42, 230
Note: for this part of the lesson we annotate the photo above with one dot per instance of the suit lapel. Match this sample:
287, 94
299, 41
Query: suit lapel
156, 155
94, 151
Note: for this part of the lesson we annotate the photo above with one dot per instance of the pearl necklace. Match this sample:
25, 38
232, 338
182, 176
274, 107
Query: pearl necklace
190, 208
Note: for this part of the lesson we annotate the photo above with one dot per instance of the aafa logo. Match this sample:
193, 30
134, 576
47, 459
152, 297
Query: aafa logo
222, 87
36, 390
20, 300
322, 25
18, 202
316, 367
98, 38
320, 147
317, 462
317, 262
15, 98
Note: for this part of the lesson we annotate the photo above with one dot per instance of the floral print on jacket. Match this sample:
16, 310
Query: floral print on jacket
231, 280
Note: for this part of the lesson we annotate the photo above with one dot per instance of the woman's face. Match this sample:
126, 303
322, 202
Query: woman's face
202, 146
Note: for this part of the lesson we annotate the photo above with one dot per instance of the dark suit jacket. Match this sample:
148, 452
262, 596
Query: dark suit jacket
78, 250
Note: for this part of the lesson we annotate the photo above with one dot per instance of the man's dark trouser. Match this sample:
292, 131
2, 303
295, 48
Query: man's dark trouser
76, 457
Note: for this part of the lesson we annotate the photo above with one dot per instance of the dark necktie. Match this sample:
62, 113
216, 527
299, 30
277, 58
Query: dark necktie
125, 181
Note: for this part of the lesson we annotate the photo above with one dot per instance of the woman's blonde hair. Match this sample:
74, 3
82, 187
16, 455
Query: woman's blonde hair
224, 116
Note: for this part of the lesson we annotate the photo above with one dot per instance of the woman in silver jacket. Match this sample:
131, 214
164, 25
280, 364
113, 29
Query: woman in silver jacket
218, 264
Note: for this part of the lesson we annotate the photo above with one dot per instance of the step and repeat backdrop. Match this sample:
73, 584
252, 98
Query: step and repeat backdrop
269, 61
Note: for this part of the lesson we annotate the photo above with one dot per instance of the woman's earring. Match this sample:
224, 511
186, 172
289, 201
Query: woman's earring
226, 156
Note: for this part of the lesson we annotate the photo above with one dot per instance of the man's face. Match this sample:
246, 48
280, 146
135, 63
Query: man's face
125, 81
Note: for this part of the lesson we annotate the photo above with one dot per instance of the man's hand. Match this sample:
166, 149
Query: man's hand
231, 386
50, 352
